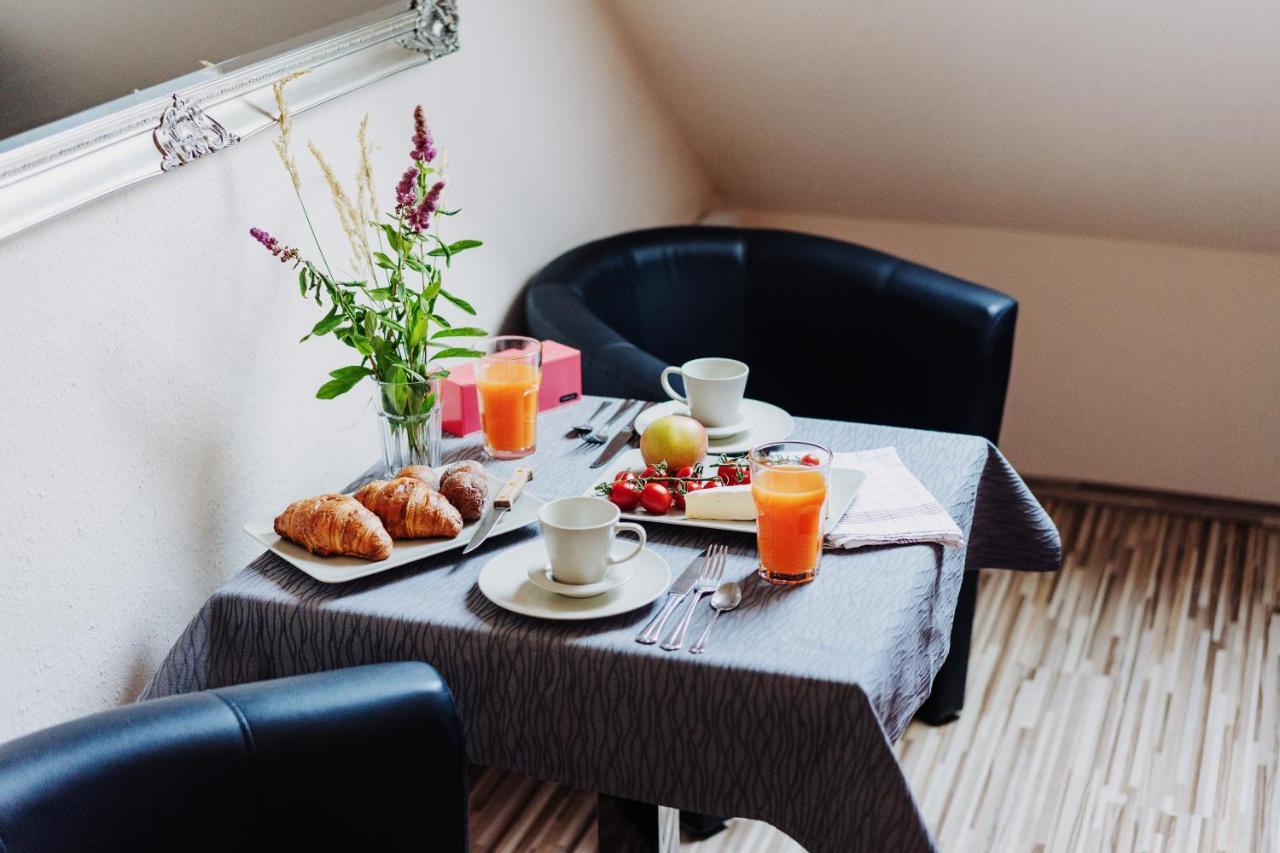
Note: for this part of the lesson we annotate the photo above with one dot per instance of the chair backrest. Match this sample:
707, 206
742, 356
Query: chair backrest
367, 758
830, 329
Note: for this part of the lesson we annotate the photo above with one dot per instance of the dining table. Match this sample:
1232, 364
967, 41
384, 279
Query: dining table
790, 714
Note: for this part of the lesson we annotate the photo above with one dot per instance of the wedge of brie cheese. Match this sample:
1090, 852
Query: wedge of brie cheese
726, 503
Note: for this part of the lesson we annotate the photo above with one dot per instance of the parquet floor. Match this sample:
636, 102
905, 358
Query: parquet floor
1130, 702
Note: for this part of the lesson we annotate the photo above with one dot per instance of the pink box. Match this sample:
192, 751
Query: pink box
561, 385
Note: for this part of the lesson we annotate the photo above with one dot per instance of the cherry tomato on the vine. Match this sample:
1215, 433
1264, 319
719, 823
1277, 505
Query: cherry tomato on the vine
734, 475
624, 474
624, 495
656, 498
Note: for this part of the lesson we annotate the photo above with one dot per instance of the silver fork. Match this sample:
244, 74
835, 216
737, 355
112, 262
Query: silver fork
574, 432
712, 572
598, 435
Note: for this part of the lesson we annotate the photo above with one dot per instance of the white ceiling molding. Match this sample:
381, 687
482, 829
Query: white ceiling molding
86, 161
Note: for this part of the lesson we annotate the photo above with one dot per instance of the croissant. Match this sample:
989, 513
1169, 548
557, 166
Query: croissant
410, 508
425, 473
334, 524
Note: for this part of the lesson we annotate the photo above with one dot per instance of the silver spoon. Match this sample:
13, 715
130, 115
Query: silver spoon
726, 597
589, 425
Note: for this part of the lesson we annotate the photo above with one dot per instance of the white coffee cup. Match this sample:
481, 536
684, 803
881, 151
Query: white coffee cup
579, 534
714, 386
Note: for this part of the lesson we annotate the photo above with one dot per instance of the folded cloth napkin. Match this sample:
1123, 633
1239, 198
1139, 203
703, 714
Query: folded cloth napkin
892, 507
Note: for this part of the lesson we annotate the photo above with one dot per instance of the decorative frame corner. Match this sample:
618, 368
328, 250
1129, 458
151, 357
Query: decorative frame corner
435, 31
185, 133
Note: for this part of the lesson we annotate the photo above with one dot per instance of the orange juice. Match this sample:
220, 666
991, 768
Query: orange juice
789, 501
508, 405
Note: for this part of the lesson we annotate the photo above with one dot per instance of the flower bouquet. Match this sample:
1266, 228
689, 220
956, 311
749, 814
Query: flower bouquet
391, 310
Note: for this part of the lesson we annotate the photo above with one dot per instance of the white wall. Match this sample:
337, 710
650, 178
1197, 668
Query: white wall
155, 395
1139, 364
1146, 119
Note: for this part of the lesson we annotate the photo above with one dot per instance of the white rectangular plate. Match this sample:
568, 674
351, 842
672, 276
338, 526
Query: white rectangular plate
844, 486
342, 569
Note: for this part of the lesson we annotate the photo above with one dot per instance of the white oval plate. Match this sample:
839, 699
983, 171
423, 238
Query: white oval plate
765, 422
845, 483
343, 569
504, 580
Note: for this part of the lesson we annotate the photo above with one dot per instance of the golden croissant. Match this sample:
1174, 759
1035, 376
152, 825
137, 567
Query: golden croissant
410, 508
335, 524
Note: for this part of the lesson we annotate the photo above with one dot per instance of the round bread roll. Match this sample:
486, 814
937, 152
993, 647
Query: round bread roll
469, 466
425, 473
467, 492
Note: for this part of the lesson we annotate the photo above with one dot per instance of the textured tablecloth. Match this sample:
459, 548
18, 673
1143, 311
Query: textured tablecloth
789, 715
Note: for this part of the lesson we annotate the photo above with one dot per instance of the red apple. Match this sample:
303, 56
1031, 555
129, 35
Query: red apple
678, 440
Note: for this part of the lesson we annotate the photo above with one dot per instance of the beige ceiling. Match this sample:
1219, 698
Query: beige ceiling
1151, 119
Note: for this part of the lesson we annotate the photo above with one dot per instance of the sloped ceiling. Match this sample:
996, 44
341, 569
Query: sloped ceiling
1148, 119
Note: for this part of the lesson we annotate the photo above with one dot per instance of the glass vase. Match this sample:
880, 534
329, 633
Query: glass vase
409, 416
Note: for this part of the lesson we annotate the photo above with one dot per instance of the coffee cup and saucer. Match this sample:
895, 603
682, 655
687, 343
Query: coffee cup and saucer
579, 569
579, 534
714, 395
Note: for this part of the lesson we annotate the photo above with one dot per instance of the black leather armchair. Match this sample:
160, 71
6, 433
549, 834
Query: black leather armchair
830, 330
367, 758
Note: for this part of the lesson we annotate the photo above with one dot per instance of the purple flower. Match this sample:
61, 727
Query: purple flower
272, 245
424, 150
420, 217
406, 194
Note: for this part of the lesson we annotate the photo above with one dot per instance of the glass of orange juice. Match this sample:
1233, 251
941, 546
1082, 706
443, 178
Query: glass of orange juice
789, 481
507, 378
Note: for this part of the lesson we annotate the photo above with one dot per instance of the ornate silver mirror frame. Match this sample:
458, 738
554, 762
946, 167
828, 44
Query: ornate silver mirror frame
86, 161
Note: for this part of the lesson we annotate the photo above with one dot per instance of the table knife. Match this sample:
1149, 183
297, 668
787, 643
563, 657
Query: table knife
675, 595
496, 510
620, 440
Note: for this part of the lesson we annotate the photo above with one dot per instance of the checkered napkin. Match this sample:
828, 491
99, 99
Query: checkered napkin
892, 507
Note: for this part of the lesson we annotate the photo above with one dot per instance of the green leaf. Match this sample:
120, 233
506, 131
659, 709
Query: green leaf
419, 331
414, 264
460, 332
354, 371
456, 352
439, 320
383, 260
453, 248
302, 281
453, 212
362, 346
387, 321
336, 387
331, 321
459, 301
393, 237
382, 294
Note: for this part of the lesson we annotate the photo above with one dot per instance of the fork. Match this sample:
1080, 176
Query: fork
598, 435
574, 432
712, 572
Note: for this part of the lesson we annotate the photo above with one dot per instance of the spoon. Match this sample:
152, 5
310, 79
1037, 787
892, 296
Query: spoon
726, 597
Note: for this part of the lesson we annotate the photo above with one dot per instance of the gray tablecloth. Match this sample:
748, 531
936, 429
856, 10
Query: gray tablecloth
787, 718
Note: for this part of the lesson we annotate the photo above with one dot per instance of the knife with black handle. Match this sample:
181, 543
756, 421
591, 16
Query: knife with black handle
621, 440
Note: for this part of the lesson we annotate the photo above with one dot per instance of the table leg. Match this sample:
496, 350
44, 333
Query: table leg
630, 826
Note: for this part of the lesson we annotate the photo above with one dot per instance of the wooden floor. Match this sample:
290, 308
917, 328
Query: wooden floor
1130, 702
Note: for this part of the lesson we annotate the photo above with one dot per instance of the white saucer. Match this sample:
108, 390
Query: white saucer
504, 580
761, 423
614, 577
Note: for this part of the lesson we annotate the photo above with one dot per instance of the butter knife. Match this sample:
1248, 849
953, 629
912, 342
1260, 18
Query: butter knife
496, 510
675, 595
620, 440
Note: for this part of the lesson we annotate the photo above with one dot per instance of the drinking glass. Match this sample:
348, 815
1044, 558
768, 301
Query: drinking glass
789, 482
507, 378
